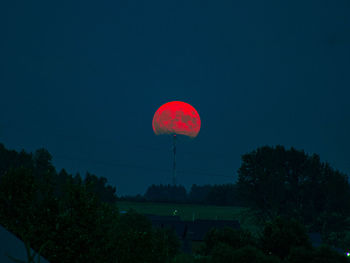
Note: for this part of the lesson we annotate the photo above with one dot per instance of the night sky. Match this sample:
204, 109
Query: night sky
84, 78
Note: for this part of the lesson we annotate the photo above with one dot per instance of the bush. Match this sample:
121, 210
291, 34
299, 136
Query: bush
280, 235
231, 237
223, 253
300, 255
325, 254
183, 258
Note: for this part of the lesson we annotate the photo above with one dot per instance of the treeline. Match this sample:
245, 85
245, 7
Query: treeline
290, 183
44, 173
70, 219
220, 195
275, 181
73, 219
281, 241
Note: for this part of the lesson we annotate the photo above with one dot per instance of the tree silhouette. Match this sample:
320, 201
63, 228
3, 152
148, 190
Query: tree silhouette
67, 219
98, 186
280, 235
288, 182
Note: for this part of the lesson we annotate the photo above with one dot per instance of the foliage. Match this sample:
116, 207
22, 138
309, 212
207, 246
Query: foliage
137, 241
325, 254
339, 239
167, 243
12, 159
71, 220
290, 183
232, 237
132, 241
322, 254
300, 255
283, 240
77, 227
183, 258
280, 235
223, 253
97, 185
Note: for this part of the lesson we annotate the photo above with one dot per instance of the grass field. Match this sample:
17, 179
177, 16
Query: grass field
189, 212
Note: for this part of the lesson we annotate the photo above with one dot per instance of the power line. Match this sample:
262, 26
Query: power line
125, 164
122, 163
100, 141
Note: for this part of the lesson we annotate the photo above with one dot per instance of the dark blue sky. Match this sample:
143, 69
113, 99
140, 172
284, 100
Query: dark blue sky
84, 78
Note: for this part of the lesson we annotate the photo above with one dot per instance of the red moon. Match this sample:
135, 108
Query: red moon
176, 117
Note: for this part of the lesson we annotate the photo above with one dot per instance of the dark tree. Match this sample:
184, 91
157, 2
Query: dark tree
325, 254
321, 254
59, 216
97, 185
136, 241
231, 237
280, 235
17, 199
300, 255
223, 253
44, 173
288, 182
12, 159
167, 244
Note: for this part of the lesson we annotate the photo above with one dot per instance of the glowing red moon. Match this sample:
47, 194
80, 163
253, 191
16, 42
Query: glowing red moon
176, 117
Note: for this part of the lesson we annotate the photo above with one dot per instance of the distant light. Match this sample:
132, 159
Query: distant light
348, 254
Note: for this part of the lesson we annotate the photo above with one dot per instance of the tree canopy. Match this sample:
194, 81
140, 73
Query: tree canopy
277, 181
70, 219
